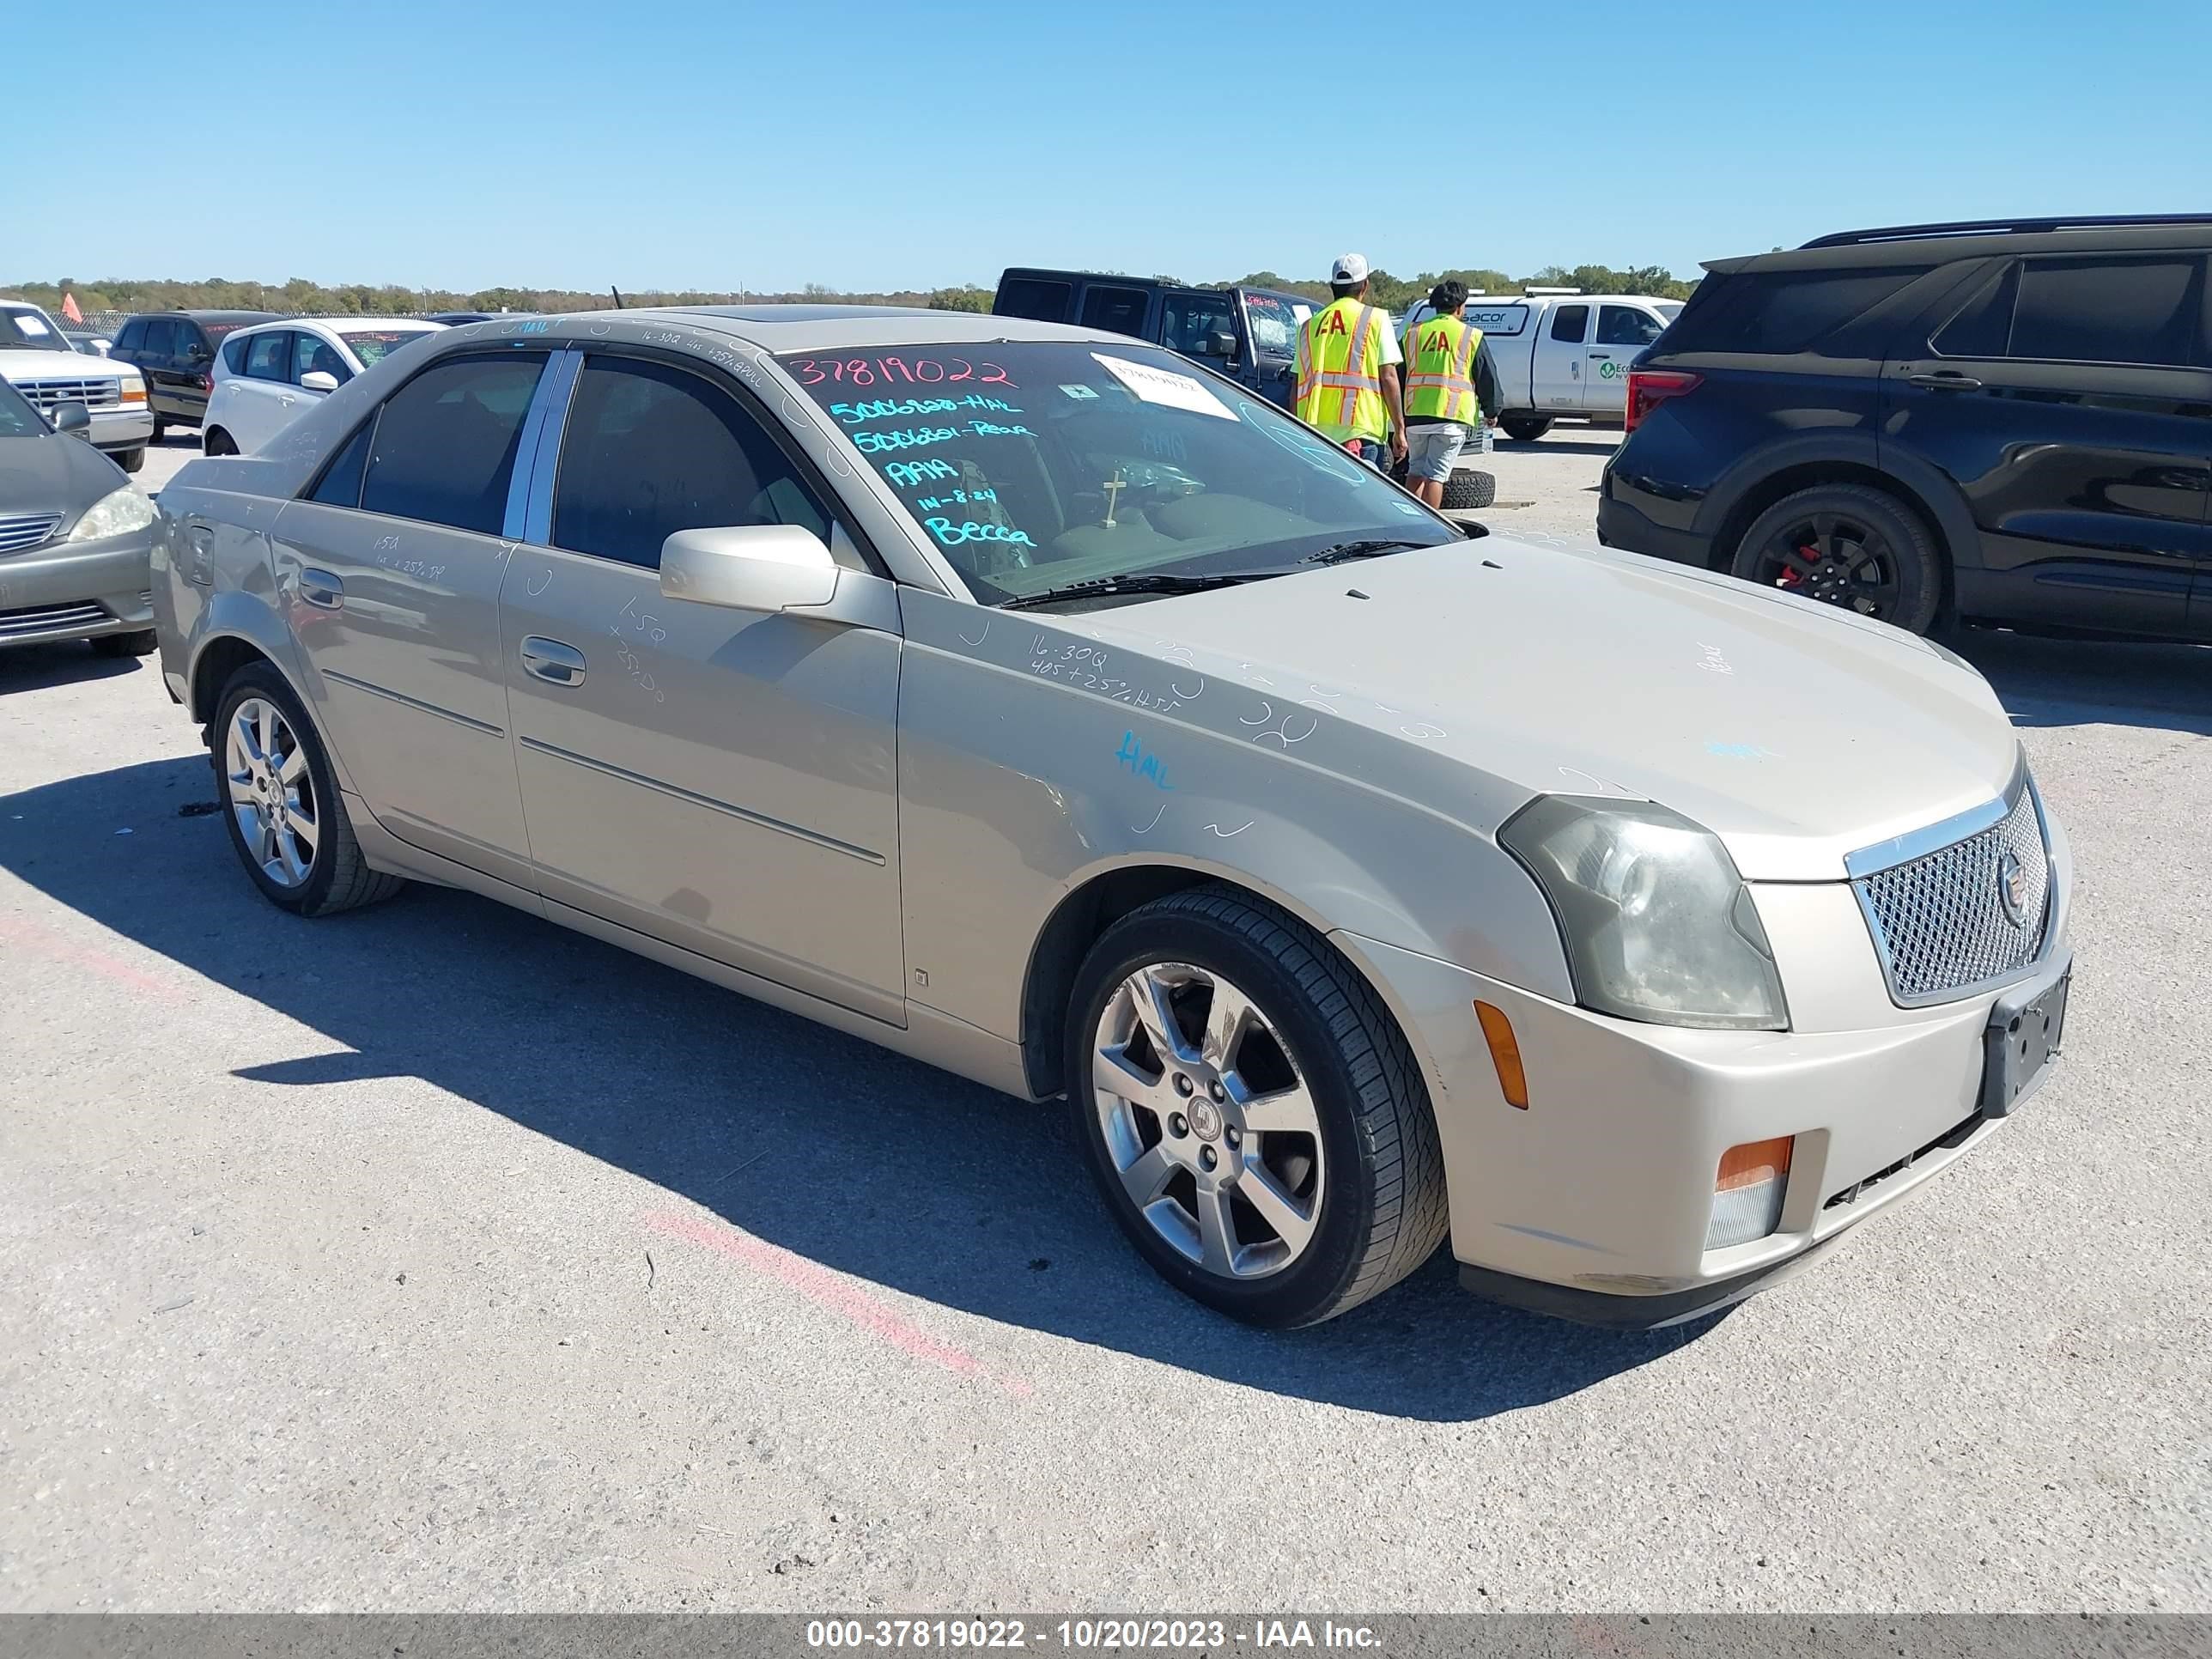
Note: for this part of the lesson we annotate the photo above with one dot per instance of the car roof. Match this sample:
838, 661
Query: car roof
218, 316
804, 327
419, 324
1936, 245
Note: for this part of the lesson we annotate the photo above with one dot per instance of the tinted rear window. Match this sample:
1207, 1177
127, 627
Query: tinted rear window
444, 443
1780, 311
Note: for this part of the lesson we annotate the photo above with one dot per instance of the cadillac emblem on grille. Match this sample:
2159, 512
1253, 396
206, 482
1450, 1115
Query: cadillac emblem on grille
2014, 889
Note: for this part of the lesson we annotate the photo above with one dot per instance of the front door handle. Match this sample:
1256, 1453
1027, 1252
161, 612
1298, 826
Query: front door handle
320, 587
202, 536
1946, 381
553, 662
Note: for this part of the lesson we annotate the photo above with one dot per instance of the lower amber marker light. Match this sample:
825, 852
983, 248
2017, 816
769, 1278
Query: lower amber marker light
1504, 1054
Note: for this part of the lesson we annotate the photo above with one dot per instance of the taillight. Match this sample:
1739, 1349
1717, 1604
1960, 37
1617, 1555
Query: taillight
207, 383
1648, 388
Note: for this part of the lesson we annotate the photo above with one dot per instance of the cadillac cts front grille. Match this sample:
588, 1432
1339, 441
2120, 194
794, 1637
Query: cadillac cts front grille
22, 530
1967, 916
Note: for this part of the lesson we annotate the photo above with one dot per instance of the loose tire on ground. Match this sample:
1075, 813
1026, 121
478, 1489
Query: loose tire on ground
1381, 1207
338, 877
1467, 488
1845, 529
142, 643
1525, 428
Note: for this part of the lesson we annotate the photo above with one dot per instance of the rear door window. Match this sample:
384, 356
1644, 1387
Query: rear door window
1120, 310
160, 340
133, 331
650, 450
1038, 298
1570, 324
445, 444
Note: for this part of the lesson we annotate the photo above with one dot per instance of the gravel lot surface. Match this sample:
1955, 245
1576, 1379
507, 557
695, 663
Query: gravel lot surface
430, 1257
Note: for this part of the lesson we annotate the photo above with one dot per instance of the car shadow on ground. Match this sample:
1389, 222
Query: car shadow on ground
817, 1142
1551, 444
36, 667
2057, 682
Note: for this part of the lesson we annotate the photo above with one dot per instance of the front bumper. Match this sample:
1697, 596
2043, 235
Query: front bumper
78, 589
130, 427
1594, 1202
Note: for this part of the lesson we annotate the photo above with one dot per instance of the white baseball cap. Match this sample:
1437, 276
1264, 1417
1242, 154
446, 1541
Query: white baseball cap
1350, 268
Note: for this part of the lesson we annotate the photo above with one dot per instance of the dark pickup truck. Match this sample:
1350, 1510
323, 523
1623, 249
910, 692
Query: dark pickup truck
1247, 333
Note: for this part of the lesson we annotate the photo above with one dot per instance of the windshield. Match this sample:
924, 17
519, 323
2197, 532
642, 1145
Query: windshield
29, 330
17, 418
1274, 318
1034, 465
372, 345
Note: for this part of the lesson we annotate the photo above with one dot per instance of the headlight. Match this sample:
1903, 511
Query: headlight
116, 514
131, 389
1658, 923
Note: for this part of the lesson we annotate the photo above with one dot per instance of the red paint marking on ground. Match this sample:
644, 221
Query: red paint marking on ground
826, 1290
22, 931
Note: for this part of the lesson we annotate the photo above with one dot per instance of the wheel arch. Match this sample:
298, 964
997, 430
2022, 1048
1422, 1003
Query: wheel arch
1094, 903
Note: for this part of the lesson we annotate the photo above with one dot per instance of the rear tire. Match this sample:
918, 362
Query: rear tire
130, 459
216, 442
262, 748
1525, 428
1467, 489
143, 643
1849, 545
1306, 1222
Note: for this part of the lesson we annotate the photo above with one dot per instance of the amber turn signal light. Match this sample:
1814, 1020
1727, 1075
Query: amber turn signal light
1504, 1054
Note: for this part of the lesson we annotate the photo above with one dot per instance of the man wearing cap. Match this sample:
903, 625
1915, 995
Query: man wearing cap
1347, 383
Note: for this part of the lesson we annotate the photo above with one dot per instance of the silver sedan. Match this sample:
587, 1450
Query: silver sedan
1030, 701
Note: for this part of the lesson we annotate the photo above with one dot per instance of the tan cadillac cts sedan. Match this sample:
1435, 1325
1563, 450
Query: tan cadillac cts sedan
1034, 702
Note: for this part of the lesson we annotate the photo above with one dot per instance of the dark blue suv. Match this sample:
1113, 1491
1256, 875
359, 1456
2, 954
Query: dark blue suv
2007, 424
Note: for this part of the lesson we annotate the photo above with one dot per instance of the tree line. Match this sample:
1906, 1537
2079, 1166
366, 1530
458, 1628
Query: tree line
299, 296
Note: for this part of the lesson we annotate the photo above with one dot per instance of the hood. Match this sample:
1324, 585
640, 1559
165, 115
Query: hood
1796, 732
20, 366
54, 473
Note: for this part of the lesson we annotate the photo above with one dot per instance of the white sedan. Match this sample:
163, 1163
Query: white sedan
266, 375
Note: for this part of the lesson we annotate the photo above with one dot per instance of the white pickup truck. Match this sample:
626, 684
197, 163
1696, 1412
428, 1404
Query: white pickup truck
1561, 352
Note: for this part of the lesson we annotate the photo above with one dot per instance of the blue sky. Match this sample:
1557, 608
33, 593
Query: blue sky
866, 145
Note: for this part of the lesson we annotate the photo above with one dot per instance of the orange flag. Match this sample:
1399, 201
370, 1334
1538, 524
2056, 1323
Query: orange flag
70, 309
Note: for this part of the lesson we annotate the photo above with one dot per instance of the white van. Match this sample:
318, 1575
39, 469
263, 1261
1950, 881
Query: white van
1562, 352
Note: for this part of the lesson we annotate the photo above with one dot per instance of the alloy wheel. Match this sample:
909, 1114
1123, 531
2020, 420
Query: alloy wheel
272, 791
1211, 1128
1835, 559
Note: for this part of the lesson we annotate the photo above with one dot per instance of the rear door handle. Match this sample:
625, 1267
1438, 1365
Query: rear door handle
1945, 382
553, 662
320, 587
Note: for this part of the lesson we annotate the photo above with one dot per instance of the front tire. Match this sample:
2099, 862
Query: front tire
1251, 1114
130, 459
287, 822
1525, 428
142, 643
1848, 545
161, 430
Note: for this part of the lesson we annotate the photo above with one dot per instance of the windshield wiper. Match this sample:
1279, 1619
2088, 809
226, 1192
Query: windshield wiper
1156, 582
1370, 548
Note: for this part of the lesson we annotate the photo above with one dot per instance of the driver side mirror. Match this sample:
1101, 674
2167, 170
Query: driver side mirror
72, 415
1221, 345
319, 379
760, 567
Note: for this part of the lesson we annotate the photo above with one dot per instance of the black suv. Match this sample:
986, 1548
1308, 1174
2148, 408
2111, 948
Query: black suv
175, 351
1991, 423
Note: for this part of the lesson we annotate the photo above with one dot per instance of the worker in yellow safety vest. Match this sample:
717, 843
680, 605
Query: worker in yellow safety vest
1346, 370
1442, 408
